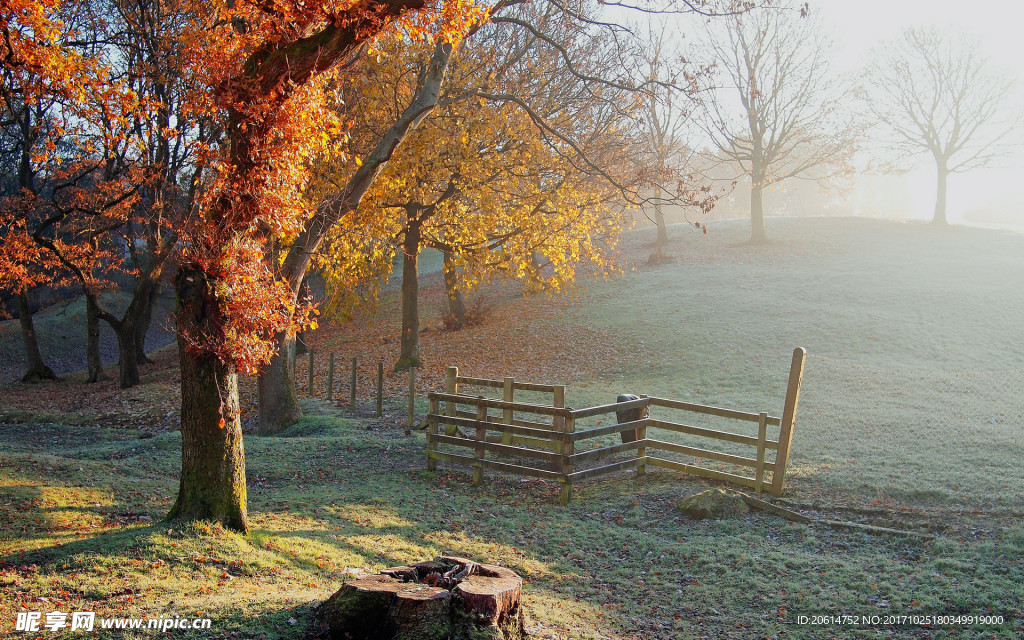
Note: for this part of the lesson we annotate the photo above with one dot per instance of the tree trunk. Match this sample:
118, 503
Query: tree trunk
124, 331
127, 363
757, 232
456, 301
300, 344
37, 370
212, 485
278, 399
659, 219
940, 195
92, 347
299, 255
144, 319
410, 353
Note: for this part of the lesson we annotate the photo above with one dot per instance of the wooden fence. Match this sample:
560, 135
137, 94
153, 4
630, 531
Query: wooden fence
540, 440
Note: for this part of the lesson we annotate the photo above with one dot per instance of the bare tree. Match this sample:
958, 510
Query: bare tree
776, 116
934, 92
664, 118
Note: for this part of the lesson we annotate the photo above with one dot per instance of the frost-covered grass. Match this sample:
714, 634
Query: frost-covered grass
911, 416
82, 531
914, 383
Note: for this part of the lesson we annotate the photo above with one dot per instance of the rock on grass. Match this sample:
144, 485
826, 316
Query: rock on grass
714, 503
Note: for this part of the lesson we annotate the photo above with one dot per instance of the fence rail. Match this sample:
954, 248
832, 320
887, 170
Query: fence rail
542, 444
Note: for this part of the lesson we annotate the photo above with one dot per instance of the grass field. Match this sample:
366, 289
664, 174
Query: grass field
914, 384
911, 416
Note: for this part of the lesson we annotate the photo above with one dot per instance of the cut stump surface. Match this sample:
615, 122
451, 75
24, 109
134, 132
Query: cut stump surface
409, 602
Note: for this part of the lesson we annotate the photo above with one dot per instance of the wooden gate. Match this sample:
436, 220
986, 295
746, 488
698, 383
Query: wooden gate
541, 440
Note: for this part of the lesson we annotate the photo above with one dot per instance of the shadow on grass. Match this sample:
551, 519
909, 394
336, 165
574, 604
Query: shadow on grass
115, 542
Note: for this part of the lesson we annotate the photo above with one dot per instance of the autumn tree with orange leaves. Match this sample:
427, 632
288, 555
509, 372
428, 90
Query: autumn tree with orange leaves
263, 71
64, 119
267, 65
38, 74
569, 82
479, 181
102, 168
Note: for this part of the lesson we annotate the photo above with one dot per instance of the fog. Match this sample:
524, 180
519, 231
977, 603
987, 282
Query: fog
989, 197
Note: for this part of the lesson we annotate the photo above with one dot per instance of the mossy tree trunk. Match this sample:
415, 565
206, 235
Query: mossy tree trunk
212, 485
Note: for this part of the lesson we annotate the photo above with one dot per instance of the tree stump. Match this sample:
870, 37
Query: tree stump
441, 599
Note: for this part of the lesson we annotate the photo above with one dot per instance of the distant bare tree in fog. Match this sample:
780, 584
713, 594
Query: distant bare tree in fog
776, 116
934, 92
664, 118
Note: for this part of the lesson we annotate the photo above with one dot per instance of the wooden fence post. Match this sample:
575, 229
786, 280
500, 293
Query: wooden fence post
567, 449
762, 437
330, 376
380, 389
796, 374
432, 429
481, 438
558, 400
352, 397
451, 385
309, 383
508, 395
558, 422
412, 397
641, 452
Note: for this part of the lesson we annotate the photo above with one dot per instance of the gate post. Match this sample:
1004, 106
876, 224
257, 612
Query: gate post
796, 375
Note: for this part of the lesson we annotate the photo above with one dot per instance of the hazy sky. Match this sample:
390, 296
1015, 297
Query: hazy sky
859, 24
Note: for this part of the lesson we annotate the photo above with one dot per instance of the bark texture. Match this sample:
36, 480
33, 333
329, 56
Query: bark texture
381, 607
127, 355
415, 603
212, 485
